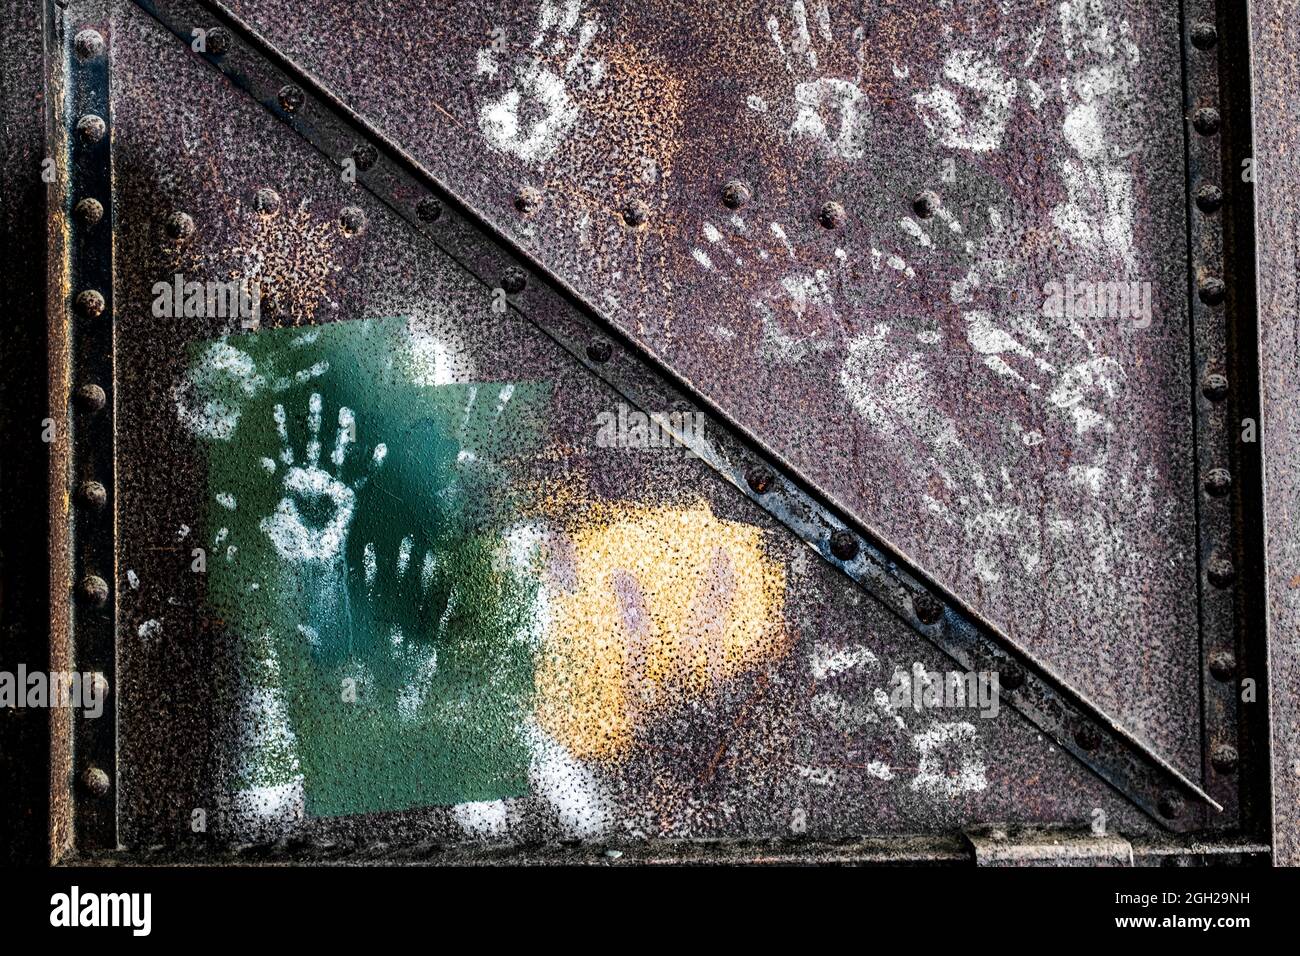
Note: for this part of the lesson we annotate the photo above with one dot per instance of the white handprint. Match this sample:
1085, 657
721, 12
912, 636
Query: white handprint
831, 110
531, 119
315, 489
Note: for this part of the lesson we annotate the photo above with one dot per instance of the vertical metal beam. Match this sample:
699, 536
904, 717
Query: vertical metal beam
83, 331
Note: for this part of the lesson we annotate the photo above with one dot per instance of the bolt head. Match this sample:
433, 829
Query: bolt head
428, 209
600, 351
179, 226
528, 200
95, 782
364, 156
832, 215
1215, 387
927, 607
89, 303
92, 494
926, 203
1087, 737
1209, 198
94, 590
267, 201
736, 193
1224, 758
291, 98
1218, 481
1204, 35
1011, 678
1223, 664
1206, 121
759, 480
635, 213
88, 44
1212, 290
352, 220
514, 281
844, 544
1220, 572
218, 41
91, 398
1171, 806
91, 128
88, 211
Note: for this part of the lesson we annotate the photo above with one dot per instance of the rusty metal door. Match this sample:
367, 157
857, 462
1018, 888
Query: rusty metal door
655, 428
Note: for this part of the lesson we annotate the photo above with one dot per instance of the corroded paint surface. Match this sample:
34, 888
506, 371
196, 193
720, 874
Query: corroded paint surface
696, 670
1276, 79
883, 298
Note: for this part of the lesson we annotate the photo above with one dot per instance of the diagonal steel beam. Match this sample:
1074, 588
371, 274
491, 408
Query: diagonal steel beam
397, 180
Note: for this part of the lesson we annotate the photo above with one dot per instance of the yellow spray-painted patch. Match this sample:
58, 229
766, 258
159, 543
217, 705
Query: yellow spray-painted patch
652, 606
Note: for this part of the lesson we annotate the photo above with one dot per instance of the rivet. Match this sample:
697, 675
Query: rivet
179, 226
1011, 678
1215, 387
88, 44
1220, 572
94, 590
1209, 198
514, 281
95, 781
926, 203
1204, 35
1223, 664
88, 211
217, 41
267, 200
636, 212
928, 608
91, 128
528, 200
1212, 290
1206, 121
99, 684
92, 494
364, 156
91, 398
1218, 481
89, 303
600, 351
352, 220
844, 544
1224, 758
291, 98
832, 215
736, 193
1171, 806
759, 480
428, 209
1087, 738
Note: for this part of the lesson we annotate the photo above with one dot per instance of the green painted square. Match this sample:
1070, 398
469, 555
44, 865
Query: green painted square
356, 523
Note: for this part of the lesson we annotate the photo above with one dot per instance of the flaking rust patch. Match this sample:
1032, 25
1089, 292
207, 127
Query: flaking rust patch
290, 252
633, 133
651, 607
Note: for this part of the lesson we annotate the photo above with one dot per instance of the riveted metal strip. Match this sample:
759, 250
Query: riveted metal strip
1220, 307
87, 218
395, 179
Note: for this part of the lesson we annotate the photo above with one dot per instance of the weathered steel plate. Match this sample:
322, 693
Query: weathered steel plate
896, 353
664, 660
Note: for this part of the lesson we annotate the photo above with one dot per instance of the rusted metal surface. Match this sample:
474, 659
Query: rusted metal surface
788, 738
693, 671
1275, 55
893, 347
